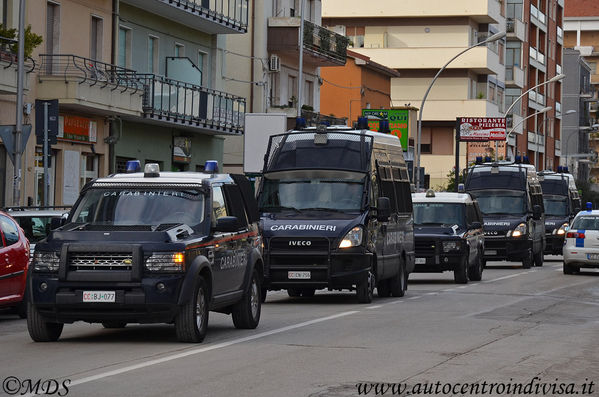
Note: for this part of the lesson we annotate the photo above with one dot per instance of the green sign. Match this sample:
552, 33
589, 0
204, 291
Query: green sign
398, 122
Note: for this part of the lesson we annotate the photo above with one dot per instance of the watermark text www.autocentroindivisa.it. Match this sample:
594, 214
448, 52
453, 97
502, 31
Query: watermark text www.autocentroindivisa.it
14, 386
535, 387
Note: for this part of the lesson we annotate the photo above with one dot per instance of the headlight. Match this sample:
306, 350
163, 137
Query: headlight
166, 262
353, 238
451, 246
46, 261
562, 230
519, 231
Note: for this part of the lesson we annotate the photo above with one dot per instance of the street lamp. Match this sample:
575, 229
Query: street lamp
544, 110
491, 39
586, 129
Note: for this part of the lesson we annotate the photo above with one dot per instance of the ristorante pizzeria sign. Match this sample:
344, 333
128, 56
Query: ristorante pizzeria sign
481, 129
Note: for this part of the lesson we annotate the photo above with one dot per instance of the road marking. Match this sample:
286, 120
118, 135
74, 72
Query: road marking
504, 277
373, 307
432, 293
203, 349
462, 287
415, 297
448, 290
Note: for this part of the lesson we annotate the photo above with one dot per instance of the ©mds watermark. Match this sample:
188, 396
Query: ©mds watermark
14, 386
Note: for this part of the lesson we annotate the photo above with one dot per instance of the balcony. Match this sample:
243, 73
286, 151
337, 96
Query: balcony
515, 121
558, 109
8, 68
514, 76
538, 18
210, 16
443, 110
481, 60
515, 29
537, 59
482, 11
560, 35
322, 47
188, 106
558, 69
90, 86
536, 100
536, 142
558, 148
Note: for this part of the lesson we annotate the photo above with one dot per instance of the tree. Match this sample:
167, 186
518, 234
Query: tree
451, 184
587, 194
32, 40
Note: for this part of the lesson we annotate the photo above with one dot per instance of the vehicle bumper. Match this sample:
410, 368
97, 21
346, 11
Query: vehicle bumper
555, 244
580, 257
505, 248
135, 302
438, 262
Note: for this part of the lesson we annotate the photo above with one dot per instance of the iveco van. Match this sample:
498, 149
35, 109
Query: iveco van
336, 212
511, 201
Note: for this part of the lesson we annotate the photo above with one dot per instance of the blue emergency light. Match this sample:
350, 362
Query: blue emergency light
384, 126
133, 166
488, 159
518, 159
589, 206
479, 160
525, 160
560, 169
362, 123
300, 123
566, 170
211, 167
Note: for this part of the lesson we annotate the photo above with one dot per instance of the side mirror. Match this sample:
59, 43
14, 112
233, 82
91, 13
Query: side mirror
383, 209
57, 222
227, 224
476, 225
536, 212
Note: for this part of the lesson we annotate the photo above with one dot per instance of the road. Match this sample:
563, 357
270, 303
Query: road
514, 325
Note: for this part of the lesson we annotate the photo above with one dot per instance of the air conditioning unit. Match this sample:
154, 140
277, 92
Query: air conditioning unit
274, 64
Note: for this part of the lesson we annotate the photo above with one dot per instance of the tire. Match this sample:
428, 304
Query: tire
475, 273
399, 283
264, 293
538, 259
527, 262
246, 312
41, 330
460, 273
191, 323
365, 288
308, 292
294, 292
568, 269
114, 324
383, 289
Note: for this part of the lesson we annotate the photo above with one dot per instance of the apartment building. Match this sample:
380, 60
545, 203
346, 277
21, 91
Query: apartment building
264, 65
417, 39
534, 56
135, 79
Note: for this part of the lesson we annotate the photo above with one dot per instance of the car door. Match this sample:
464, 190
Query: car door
240, 243
471, 234
14, 256
5, 269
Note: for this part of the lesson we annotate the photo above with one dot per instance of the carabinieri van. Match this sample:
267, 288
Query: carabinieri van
336, 212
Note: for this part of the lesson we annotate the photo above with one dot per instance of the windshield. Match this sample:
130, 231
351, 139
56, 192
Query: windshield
140, 207
506, 202
556, 205
315, 193
36, 228
439, 214
585, 223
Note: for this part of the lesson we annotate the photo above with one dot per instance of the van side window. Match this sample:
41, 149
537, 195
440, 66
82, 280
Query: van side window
404, 195
479, 215
219, 207
235, 204
386, 185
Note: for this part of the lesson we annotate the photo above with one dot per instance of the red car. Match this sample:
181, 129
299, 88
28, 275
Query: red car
14, 261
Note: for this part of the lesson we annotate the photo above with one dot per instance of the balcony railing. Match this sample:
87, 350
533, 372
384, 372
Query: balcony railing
322, 40
532, 95
558, 107
9, 57
510, 25
558, 68
193, 105
89, 71
541, 17
534, 11
560, 33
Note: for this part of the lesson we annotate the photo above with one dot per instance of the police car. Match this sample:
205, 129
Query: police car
581, 248
151, 247
448, 234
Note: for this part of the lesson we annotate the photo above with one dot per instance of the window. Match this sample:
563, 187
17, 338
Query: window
309, 93
96, 38
10, 230
593, 66
292, 91
514, 9
153, 54
4, 13
179, 50
89, 168
52, 28
201, 61
121, 164
124, 51
355, 34
236, 204
219, 207
501, 49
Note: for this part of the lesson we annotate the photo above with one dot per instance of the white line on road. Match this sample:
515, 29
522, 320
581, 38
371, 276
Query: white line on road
432, 293
415, 297
462, 287
204, 349
504, 277
373, 307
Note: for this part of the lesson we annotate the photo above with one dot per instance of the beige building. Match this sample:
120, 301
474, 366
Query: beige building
417, 38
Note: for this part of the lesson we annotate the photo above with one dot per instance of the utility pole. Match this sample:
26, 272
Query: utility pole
300, 78
16, 194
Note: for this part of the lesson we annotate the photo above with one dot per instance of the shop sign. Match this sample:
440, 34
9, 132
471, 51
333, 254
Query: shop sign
481, 129
398, 122
77, 129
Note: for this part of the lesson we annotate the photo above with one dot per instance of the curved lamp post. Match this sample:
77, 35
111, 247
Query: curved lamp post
491, 39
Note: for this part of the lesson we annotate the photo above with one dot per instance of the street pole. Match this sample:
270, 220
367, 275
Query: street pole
46, 174
492, 38
16, 193
301, 61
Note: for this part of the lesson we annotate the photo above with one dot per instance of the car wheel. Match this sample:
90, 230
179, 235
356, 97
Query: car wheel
475, 273
460, 273
114, 324
246, 312
399, 283
308, 292
538, 259
568, 269
22, 307
383, 289
365, 288
191, 323
294, 292
527, 262
41, 330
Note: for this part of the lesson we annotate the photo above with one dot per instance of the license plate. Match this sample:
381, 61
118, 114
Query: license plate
593, 257
99, 296
490, 252
420, 261
298, 275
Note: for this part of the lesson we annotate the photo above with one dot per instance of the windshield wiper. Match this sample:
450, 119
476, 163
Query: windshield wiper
165, 226
280, 208
322, 209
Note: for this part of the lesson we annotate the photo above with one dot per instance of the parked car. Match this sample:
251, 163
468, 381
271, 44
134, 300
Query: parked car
581, 248
14, 261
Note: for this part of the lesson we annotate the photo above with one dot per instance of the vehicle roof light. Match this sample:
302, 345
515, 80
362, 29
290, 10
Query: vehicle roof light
362, 123
589, 206
151, 170
430, 193
211, 167
384, 126
133, 166
300, 123
461, 188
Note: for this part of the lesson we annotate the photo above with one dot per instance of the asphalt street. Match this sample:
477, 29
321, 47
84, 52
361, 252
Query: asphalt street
514, 325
